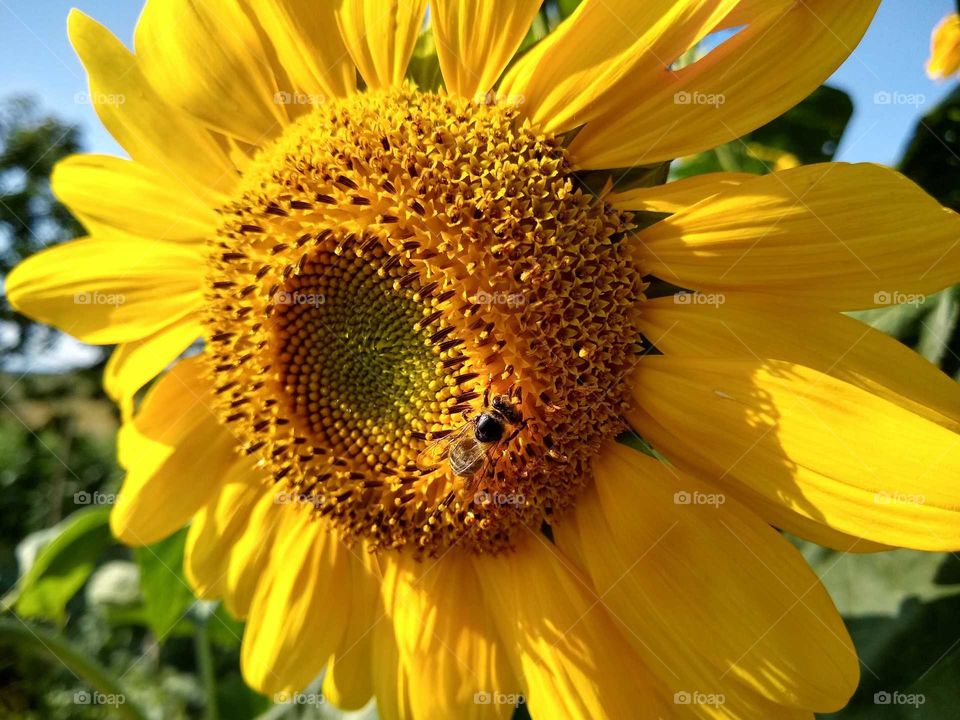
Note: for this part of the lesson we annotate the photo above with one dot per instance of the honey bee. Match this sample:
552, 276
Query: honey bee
472, 448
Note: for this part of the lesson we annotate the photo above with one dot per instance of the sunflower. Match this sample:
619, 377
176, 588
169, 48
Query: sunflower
428, 314
944, 58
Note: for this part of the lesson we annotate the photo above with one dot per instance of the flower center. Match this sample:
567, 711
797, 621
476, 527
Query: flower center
418, 323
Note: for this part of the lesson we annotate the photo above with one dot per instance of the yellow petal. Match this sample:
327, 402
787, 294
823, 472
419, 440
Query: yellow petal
250, 554
305, 37
348, 683
298, 612
132, 365
207, 58
109, 193
678, 195
446, 638
109, 290
216, 528
777, 514
607, 49
381, 35
476, 40
151, 131
762, 326
569, 653
945, 48
389, 677
784, 52
175, 453
835, 235
822, 447
697, 559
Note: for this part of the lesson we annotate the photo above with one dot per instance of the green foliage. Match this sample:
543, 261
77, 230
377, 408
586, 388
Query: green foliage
63, 565
31, 143
931, 158
166, 593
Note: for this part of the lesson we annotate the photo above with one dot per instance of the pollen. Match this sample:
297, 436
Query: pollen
390, 264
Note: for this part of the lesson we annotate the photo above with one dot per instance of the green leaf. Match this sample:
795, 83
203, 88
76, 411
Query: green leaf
903, 611
424, 67
566, 7
624, 178
931, 158
225, 630
808, 133
64, 564
167, 596
937, 329
238, 701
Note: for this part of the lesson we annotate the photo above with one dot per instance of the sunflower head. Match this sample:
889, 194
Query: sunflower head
392, 260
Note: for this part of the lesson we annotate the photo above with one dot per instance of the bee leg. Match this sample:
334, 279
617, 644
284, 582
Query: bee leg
516, 432
486, 396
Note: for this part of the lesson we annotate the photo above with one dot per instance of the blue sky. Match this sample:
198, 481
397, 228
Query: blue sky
36, 58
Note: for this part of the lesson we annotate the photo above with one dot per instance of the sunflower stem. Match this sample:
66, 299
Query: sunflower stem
201, 640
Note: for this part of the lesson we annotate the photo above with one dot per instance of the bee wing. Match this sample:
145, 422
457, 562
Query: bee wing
471, 483
437, 451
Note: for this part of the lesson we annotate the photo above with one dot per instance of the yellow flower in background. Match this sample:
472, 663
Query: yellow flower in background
945, 48
423, 334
